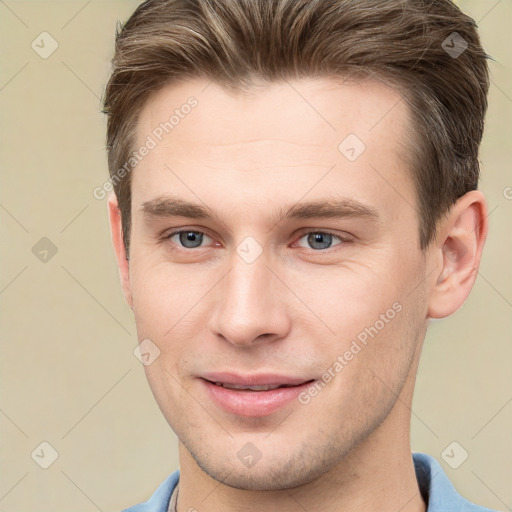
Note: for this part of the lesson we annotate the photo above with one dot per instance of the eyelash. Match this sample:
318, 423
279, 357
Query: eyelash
341, 239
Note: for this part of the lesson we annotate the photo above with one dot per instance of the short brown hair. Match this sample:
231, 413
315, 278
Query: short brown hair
237, 43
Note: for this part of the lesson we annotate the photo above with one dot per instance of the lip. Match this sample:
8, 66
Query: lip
252, 404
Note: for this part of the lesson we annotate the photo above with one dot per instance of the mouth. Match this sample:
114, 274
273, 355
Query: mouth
265, 387
253, 396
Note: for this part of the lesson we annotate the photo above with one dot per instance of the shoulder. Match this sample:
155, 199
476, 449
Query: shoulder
436, 488
159, 501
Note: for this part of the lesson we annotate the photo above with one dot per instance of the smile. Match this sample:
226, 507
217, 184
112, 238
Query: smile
250, 396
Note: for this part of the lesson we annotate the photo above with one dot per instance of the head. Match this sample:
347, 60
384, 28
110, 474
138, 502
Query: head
321, 158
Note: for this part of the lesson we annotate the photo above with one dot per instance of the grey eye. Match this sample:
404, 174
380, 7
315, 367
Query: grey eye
189, 239
318, 240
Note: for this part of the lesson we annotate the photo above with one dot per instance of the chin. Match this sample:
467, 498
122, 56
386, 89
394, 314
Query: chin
278, 472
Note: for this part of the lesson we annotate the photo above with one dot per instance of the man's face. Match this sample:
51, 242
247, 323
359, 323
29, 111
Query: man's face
267, 291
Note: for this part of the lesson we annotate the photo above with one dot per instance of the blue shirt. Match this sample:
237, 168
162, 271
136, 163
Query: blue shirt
436, 489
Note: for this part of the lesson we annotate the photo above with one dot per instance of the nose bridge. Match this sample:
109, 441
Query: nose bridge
247, 282
248, 306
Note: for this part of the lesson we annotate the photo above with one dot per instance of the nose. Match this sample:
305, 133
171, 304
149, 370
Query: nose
250, 306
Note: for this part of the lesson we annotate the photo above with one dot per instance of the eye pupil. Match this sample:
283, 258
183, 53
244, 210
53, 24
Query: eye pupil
190, 236
324, 239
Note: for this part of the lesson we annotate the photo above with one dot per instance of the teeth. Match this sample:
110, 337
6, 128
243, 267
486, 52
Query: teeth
252, 388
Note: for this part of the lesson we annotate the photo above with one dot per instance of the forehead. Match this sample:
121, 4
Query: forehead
326, 107
286, 135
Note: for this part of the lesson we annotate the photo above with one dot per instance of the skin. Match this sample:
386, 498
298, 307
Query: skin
295, 309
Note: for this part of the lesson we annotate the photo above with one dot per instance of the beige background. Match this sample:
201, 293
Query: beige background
69, 376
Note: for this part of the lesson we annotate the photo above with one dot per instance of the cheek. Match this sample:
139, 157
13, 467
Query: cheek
162, 295
169, 305
160, 305
352, 299
377, 316
163, 300
366, 372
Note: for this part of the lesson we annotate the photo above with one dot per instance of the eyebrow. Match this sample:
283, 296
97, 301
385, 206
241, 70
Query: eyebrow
169, 206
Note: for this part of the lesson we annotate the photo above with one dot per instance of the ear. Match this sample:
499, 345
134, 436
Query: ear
116, 231
458, 249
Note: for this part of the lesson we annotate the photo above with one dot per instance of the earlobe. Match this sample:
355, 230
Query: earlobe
116, 231
459, 244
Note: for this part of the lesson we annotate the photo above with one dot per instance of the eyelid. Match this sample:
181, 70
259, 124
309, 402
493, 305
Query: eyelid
342, 239
169, 234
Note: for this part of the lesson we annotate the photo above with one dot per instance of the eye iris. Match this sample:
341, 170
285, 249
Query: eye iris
324, 239
190, 236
